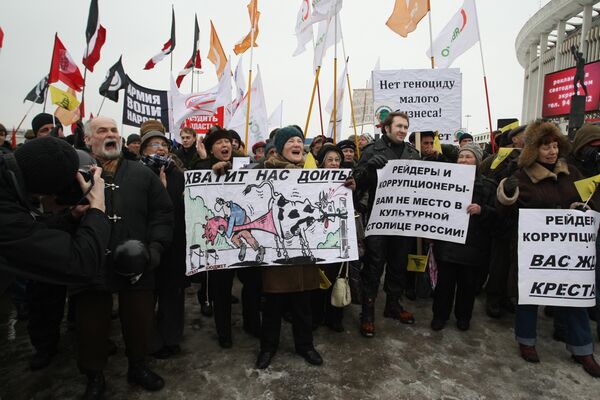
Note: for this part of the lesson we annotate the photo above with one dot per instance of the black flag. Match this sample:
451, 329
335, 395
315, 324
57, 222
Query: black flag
92, 23
38, 93
115, 81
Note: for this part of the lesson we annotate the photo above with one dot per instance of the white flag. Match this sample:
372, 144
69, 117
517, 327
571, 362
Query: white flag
326, 37
258, 129
276, 117
341, 89
223, 97
322, 9
304, 30
458, 36
186, 105
240, 84
377, 67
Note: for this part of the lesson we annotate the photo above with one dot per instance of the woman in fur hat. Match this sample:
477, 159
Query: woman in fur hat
546, 181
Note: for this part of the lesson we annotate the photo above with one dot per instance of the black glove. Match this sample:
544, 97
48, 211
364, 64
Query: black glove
581, 207
131, 259
377, 161
510, 186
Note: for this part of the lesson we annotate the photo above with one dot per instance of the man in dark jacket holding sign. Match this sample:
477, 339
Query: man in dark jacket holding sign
141, 215
382, 250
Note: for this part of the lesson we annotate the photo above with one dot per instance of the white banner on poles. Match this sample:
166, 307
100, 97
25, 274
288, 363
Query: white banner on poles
432, 98
268, 217
557, 257
422, 199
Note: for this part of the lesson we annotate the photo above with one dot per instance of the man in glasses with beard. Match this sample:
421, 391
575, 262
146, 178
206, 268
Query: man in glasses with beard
141, 215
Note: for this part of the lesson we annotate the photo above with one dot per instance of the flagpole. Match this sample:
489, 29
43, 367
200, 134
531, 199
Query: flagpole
85, 69
487, 97
50, 73
101, 104
362, 123
335, 81
27, 113
320, 109
254, 22
431, 35
349, 91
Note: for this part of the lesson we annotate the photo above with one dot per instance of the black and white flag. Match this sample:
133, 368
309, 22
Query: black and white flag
115, 81
38, 93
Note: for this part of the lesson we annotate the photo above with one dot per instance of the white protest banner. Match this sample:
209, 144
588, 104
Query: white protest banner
422, 199
557, 257
268, 217
432, 98
240, 162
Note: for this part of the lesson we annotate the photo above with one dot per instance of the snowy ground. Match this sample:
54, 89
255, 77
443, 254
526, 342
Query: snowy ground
401, 362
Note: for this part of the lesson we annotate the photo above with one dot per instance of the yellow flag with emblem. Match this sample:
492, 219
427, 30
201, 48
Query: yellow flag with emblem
63, 99
503, 152
437, 144
509, 127
586, 187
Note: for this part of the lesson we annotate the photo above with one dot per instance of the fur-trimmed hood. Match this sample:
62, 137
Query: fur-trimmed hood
534, 137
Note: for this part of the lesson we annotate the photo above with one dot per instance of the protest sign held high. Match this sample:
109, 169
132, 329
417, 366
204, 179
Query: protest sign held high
142, 104
268, 217
557, 257
422, 199
432, 98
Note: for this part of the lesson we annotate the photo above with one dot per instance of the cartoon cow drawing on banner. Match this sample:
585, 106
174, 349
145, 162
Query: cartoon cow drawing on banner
294, 217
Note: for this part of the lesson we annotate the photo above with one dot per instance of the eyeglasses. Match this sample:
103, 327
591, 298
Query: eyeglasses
156, 145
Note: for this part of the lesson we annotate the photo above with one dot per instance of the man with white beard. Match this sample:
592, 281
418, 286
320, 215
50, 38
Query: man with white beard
141, 214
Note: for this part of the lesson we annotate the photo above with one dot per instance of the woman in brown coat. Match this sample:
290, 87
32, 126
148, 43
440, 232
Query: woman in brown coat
546, 181
288, 286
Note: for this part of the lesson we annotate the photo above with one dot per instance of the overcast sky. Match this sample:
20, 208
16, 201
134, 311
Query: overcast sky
137, 29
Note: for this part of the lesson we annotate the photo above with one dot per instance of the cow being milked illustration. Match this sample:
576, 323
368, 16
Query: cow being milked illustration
234, 227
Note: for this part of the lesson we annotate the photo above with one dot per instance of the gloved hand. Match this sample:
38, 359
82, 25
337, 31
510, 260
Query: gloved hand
131, 259
510, 186
377, 161
580, 206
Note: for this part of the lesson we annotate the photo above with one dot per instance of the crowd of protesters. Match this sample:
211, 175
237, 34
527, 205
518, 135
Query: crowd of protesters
109, 223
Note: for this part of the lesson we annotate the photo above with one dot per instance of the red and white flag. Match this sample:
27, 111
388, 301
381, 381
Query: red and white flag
63, 68
1, 37
168, 47
95, 36
195, 60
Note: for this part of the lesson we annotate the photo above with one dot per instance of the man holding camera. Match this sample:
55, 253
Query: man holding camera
141, 217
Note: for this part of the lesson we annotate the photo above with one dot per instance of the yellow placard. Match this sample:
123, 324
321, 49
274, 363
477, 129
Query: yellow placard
416, 263
586, 187
437, 145
509, 127
324, 282
503, 152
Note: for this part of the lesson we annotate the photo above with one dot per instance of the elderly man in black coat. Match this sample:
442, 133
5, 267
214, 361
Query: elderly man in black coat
141, 216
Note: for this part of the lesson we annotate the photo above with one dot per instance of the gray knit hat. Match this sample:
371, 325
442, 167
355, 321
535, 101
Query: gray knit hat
473, 148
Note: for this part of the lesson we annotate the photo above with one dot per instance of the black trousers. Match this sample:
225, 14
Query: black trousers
93, 310
221, 283
381, 251
500, 259
299, 304
459, 279
46, 310
168, 330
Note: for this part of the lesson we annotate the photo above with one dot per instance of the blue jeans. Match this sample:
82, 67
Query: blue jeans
579, 336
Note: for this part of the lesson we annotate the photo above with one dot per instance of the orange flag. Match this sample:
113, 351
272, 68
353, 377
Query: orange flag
405, 17
245, 43
216, 55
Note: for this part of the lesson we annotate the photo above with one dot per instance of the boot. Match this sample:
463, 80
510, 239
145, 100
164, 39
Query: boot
95, 386
367, 318
589, 364
394, 310
140, 374
529, 353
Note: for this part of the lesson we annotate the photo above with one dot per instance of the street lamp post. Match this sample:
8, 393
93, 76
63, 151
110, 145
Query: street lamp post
467, 116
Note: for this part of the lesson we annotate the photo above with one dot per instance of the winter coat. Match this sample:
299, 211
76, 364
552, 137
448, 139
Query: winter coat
140, 208
59, 249
187, 156
171, 271
476, 250
538, 188
366, 178
283, 279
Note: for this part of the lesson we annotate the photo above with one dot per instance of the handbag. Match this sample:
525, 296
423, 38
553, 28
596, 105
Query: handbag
340, 294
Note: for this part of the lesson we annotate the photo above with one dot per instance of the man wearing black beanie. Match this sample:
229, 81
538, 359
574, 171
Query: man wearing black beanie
44, 124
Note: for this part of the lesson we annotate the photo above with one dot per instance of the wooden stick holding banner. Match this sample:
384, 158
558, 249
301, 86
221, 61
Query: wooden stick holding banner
320, 109
312, 99
350, 92
334, 118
